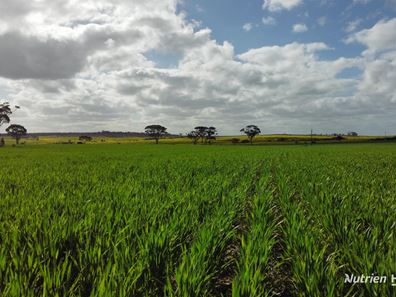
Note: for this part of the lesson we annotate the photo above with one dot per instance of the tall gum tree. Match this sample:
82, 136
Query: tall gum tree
156, 132
251, 131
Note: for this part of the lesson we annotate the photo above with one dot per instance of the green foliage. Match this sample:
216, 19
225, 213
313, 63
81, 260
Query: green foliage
5, 112
16, 131
142, 220
156, 131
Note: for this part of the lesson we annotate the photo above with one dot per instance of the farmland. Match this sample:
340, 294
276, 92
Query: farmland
269, 139
185, 220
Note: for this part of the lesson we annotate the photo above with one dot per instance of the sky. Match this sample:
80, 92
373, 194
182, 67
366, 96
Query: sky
288, 66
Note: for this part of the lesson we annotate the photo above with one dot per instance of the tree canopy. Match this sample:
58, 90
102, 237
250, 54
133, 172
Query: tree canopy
194, 136
5, 112
211, 133
201, 132
251, 131
205, 133
156, 131
16, 131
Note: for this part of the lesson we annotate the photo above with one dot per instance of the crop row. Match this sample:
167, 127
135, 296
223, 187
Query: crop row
196, 221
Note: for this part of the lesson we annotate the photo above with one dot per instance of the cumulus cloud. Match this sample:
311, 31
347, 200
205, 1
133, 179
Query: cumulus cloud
269, 20
278, 5
352, 25
55, 39
381, 36
379, 75
88, 67
27, 56
300, 28
247, 27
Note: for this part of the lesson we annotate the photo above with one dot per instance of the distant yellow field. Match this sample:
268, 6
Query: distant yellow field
237, 139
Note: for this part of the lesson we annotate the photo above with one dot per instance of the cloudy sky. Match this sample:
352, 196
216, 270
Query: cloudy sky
285, 65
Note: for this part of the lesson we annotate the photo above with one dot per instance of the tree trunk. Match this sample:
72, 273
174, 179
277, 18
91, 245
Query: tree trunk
17, 140
156, 141
251, 140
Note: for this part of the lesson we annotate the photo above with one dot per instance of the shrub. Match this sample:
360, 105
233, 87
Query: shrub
85, 138
235, 140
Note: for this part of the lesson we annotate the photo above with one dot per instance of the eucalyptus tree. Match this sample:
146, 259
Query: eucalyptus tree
16, 131
201, 132
5, 112
193, 135
206, 134
251, 131
211, 133
156, 132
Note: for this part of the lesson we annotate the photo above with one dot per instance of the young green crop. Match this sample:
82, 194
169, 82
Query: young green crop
182, 220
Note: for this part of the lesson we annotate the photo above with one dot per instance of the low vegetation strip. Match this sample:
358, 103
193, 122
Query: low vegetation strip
161, 220
256, 245
344, 221
126, 138
304, 251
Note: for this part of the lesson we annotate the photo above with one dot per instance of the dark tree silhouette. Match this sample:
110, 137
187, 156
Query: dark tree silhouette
193, 135
16, 131
5, 112
206, 134
156, 131
211, 133
251, 131
201, 132
85, 138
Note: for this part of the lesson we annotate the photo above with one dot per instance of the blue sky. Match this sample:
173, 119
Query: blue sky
284, 65
226, 19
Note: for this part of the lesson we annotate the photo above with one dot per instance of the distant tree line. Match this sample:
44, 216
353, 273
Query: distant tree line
200, 133
203, 134
85, 138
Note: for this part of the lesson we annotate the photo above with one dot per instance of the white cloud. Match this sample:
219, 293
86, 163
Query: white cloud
361, 1
278, 5
55, 39
377, 87
247, 27
353, 25
88, 67
269, 20
300, 28
382, 36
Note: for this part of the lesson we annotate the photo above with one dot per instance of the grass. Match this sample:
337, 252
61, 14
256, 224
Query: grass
258, 140
185, 220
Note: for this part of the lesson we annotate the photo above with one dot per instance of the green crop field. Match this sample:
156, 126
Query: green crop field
185, 220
